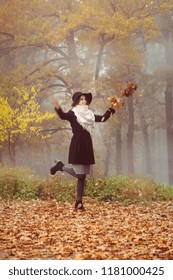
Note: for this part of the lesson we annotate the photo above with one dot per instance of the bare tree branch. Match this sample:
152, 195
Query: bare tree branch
53, 130
58, 50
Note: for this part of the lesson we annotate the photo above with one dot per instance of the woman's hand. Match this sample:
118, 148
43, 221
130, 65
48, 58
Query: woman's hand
54, 102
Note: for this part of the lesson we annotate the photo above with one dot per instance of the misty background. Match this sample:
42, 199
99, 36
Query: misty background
54, 48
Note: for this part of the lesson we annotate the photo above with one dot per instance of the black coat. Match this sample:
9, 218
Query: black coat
81, 147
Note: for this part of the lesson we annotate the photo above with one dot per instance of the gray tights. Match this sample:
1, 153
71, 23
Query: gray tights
80, 182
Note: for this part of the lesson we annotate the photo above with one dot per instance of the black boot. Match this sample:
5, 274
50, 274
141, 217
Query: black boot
79, 205
57, 167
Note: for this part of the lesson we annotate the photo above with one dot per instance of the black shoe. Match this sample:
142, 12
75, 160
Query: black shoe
57, 167
79, 205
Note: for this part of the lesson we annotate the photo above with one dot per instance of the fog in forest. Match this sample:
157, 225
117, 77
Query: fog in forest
105, 163
69, 50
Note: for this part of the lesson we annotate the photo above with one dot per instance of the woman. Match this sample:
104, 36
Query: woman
81, 154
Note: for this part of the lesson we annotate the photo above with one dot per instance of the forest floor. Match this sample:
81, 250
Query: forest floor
50, 230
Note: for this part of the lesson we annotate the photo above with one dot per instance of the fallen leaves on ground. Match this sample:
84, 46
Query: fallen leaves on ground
52, 230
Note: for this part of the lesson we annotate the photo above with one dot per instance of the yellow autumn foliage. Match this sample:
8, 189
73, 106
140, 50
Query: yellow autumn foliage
6, 119
25, 119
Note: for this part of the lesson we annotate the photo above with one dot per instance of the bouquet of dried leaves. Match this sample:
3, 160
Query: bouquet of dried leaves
118, 102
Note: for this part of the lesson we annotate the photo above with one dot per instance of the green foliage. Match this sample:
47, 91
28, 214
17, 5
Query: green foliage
128, 189
56, 188
20, 183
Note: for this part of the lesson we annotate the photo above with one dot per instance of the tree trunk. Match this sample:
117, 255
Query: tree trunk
107, 160
11, 150
130, 133
99, 58
168, 100
1, 162
118, 151
146, 141
169, 128
73, 62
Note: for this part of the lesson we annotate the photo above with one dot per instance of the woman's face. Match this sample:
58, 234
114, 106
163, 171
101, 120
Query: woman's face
82, 100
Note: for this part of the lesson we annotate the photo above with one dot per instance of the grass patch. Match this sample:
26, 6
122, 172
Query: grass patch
20, 183
128, 189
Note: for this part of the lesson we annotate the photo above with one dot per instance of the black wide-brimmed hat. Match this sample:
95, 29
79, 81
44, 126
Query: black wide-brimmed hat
76, 95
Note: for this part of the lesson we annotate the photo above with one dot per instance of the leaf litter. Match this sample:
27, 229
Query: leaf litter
51, 230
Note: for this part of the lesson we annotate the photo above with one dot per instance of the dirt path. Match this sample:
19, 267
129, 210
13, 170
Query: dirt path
50, 230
